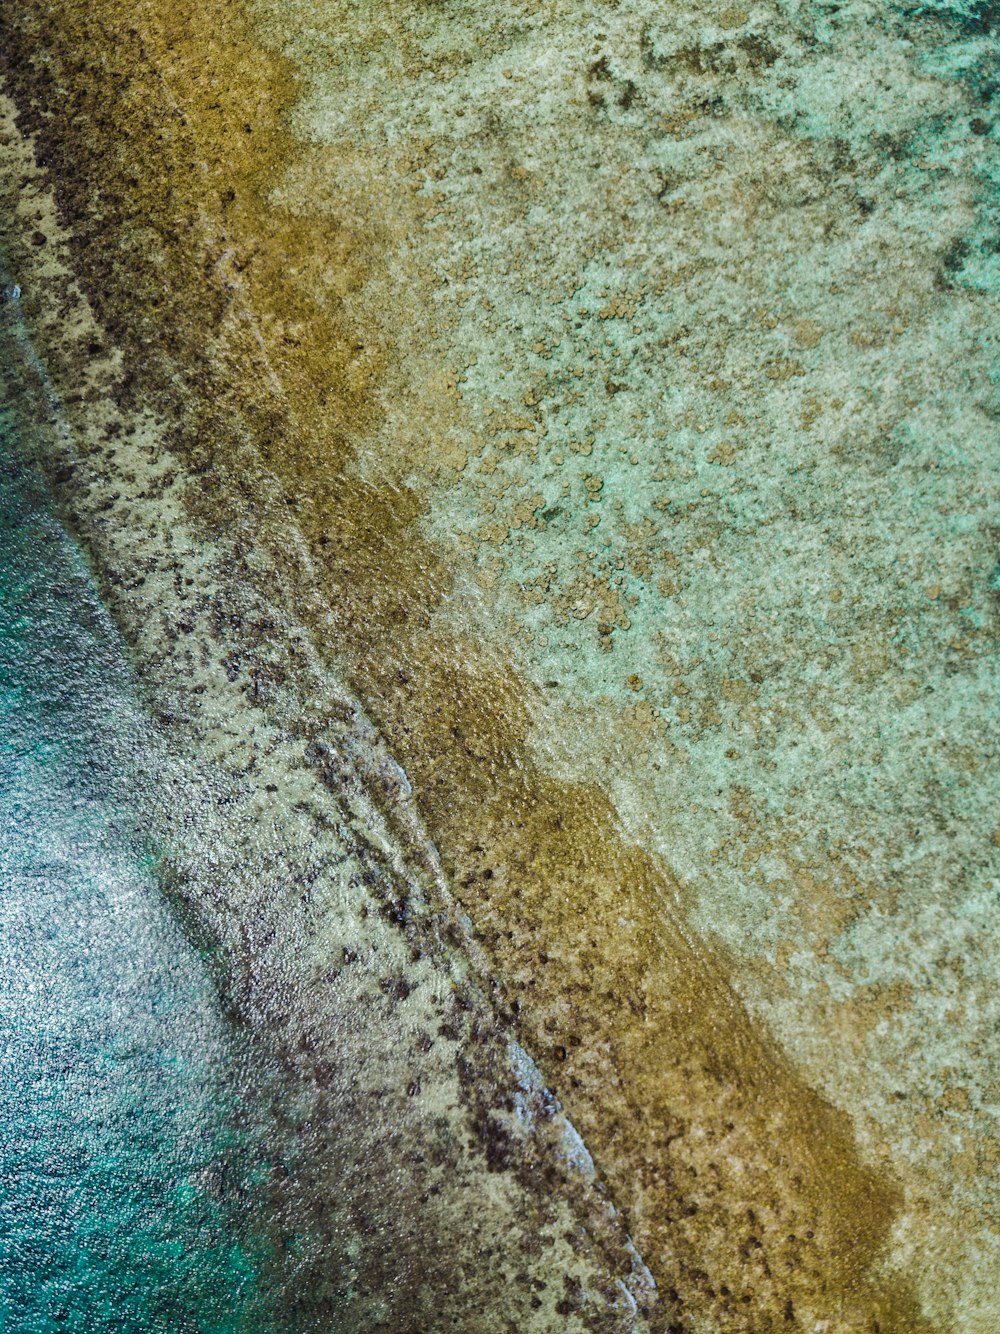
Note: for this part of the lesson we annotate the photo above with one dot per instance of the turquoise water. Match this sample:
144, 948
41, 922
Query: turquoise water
125, 1192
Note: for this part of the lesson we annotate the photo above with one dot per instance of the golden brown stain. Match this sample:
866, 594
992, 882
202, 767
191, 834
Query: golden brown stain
165, 132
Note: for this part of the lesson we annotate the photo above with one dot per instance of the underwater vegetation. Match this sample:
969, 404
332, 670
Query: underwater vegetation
499, 667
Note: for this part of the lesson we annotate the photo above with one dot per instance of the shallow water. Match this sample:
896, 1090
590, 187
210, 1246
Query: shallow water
542, 464
119, 1163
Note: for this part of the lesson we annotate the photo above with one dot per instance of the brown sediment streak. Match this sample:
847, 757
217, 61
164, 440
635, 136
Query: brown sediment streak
165, 130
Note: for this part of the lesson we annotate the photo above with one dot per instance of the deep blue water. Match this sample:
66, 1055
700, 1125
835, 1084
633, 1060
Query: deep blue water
123, 1183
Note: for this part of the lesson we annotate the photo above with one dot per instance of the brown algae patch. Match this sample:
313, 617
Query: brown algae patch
695, 397
741, 1186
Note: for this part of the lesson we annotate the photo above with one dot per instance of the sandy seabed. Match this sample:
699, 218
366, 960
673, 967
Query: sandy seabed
542, 467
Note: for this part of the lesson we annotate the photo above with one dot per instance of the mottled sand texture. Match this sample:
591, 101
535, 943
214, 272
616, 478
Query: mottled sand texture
543, 465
